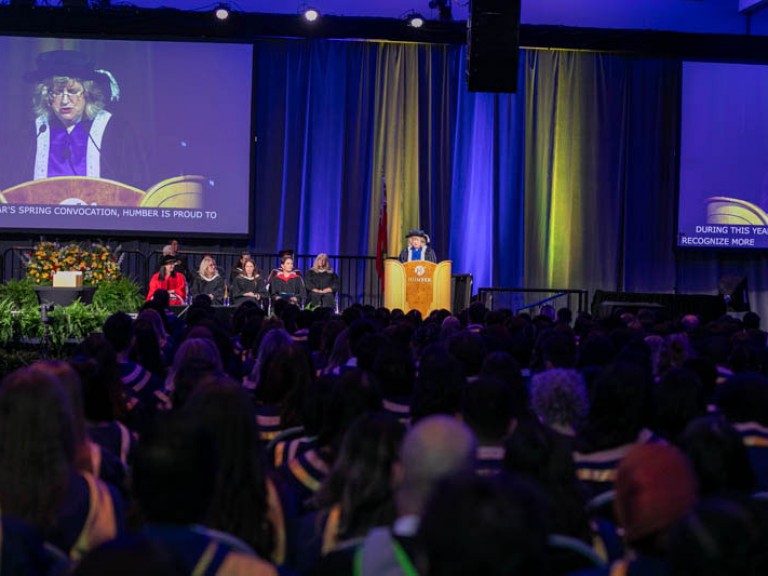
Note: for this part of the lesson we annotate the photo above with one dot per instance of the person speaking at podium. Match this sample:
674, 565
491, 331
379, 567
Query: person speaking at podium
417, 247
168, 279
73, 133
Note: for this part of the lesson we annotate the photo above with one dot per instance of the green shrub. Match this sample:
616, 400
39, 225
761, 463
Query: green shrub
121, 295
19, 293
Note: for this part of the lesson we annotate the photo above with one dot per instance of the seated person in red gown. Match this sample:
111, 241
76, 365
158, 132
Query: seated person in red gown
286, 283
168, 279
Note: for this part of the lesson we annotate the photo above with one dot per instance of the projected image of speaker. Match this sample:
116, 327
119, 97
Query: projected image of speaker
734, 291
493, 43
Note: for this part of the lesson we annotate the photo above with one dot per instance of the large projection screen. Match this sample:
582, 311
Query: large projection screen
170, 155
724, 156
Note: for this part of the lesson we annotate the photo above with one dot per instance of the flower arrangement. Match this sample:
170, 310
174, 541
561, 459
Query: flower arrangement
96, 261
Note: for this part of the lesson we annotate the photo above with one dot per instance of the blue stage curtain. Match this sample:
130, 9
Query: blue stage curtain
600, 135
570, 183
333, 117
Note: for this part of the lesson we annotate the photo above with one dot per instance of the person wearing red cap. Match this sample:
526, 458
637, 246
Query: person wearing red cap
656, 488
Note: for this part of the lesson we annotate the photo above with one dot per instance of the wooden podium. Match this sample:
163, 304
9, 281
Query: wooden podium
419, 285
178, 192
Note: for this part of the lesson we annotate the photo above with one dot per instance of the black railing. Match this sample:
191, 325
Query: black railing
530, 299
357, 274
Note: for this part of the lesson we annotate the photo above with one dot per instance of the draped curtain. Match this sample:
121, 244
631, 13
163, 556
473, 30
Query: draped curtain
570, 183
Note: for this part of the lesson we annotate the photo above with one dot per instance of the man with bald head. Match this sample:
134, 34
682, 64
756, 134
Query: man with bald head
435, 448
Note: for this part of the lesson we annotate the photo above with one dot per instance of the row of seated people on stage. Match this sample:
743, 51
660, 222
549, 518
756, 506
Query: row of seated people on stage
375, 441
316, 288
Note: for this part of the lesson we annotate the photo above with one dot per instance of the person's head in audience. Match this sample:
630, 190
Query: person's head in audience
476, 313
718, 456
96, 362
655, 488
361, 477
369, 347
690, 323
438, 385
559, 398
503, 366
595, 350
619, 408
357, 330
271, 342
448, 327
354, 393
469, 349
118, 329
70, 381
478, 525
155, 320
284, 378
37, 446
751, 321
564, 316
146, 347
433, 449
239, 504
196, 358
486, 407
720, 537
678, 398
395, 370
161, 299
744, 398
174, 472
413, 317
558, 349
538, 454
675, 350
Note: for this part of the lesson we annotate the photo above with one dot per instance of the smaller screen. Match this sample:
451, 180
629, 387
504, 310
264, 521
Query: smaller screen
723, 199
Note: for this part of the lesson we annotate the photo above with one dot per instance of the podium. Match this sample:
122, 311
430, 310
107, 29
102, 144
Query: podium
177, 192
419, 285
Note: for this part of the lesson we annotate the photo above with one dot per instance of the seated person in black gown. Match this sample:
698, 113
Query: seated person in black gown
286, 283
248, 285
322, 283
238, 269
418, 247
208, 281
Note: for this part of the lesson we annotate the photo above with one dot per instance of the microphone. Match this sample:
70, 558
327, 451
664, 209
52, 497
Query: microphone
42, 130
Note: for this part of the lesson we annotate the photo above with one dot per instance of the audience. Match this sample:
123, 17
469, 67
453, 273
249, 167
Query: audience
368, 441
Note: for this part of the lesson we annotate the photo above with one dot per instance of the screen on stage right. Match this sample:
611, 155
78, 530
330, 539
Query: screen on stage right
723, 199
127, 137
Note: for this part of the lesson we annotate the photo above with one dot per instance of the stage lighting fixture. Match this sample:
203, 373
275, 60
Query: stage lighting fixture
414, 20
311, 14
222, 11
443, 9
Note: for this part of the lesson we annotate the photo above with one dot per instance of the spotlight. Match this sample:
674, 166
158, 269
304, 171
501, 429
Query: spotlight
414, 20
222, 11
311, 14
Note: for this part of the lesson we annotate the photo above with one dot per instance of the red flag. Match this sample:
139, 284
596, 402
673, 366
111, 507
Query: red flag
381, 240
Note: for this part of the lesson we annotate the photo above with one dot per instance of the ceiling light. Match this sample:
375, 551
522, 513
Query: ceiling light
222, 11
311, 14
